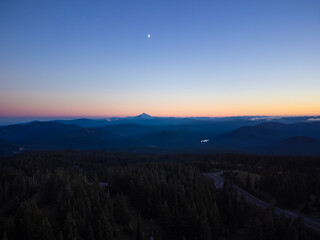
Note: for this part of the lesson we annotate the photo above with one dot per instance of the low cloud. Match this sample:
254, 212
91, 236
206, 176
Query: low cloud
263, 118
313, 119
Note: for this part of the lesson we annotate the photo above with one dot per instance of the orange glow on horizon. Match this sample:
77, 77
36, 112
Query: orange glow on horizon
198, 112
159, 105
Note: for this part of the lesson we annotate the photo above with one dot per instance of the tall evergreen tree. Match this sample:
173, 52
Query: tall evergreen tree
139, 235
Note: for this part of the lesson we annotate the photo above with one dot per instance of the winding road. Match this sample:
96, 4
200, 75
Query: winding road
309, 222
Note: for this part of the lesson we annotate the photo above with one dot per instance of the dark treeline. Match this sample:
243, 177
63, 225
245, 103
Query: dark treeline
98, 195
290, 182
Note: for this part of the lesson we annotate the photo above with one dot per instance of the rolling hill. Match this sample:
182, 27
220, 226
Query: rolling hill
153, 134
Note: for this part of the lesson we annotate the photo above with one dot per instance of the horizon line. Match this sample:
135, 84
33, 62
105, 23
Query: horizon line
163, 116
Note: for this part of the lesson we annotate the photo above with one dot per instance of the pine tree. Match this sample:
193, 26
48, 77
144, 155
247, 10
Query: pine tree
60, 237
104, 229
69, 228
248, 182
138, 229
120, 211
90, 235
46, 230
204, 232
4, 236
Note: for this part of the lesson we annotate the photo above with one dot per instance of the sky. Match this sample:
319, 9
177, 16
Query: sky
80, 58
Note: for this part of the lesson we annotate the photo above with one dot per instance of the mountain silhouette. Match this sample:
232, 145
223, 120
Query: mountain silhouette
147, 133
297, 145
143, 116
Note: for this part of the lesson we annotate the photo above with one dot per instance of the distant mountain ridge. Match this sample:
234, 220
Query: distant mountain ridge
160, 134
143, 116
146, 119
269, 137
297, 145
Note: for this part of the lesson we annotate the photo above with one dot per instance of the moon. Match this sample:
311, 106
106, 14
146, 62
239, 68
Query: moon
149, 35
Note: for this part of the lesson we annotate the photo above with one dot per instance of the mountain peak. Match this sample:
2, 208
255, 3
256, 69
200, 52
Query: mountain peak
143, 115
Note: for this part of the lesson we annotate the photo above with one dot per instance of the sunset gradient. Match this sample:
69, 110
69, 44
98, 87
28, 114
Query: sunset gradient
205, 58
